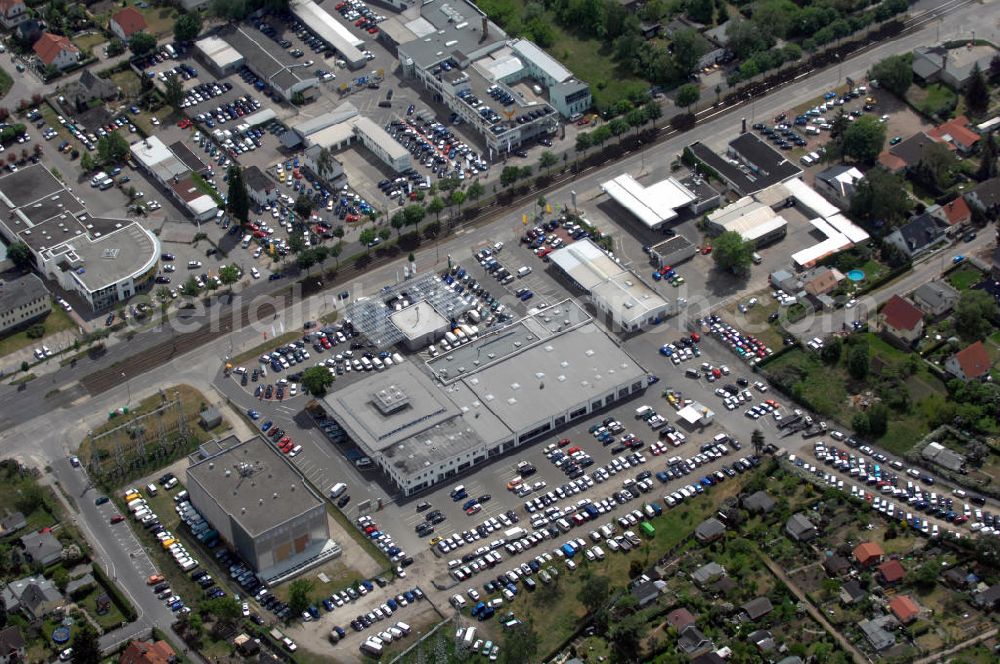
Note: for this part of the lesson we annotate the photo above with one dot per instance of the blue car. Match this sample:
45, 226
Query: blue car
468, 504
266, 425
328, 605
527, 295
253, 414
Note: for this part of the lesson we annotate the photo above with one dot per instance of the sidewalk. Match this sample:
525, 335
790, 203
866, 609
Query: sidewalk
10, 364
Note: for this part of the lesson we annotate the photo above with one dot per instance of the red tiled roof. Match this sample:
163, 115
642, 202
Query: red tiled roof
680, 618
892, 571
974, 360
130, 20
900, 314
145, 652
958, 129
957, 212
49, 46
891, 162
865, 551
904, 608
7, 5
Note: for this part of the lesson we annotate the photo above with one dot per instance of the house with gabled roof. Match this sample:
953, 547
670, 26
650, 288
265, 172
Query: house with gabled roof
971, 363
901, 321
56, 51
127, 22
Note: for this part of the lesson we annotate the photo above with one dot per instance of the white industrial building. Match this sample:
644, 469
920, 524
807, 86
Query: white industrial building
174, 174
420, 324
839, 232
381, 144
272, 63
330, 29
753, 220
336, 130
22, 300
104, 261
654, 205
615, 290
424, 425
221, 58
262, 508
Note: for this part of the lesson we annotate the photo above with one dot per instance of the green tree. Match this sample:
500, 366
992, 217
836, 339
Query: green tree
87, 162
435, 207
687, 48
414, 214
115, 47
20, 254
977, 93
509, 175
987, 159
475, 191
60, 577
397, 221
547, 160
303, 206
700, 11
626, 634
237, 200
223, 610
86, 649
601, 135
881, 198
878, 420
141, 43
317, 380
190, 287
618, 126
925, 576
366, 238
757, 441
583, 142
894, 73
229, 275
113, 148
973, 314
335, 251
831, 350
688, 95
187, 27
298, 596
934, 170
858, 361
457, 198
384, 233
520, 645
864, 139
594, 592
731, 252
173, 92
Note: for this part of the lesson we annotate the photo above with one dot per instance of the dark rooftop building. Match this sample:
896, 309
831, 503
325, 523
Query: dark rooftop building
852, 592
757, 608
188, 158
918, 235
709, 530
800, 528
989, 599
836, 565
680, 618
759, 165
759, 503
692, 641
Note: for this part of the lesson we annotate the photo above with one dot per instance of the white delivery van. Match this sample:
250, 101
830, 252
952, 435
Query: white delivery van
151, 489
246, 240
338, 489
642, 410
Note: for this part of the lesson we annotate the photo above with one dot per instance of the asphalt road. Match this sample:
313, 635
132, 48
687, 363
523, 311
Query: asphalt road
42, 429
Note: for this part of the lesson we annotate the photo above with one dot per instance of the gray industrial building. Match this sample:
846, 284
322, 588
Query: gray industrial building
261, 507
423, 425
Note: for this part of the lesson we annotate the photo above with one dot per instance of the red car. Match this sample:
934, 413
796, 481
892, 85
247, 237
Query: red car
695, 337
564, 442
359, 22
372, 31
185, 123
573, 450
117, 518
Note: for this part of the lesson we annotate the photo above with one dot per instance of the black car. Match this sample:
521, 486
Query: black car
343, 500
423, 506
485, 498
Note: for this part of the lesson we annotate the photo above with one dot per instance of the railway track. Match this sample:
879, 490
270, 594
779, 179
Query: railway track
105, 379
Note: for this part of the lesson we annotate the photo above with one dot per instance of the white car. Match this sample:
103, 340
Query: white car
255, 273
246, 610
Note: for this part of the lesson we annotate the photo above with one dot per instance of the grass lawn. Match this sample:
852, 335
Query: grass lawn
128, 82
108, 621
930, 99
160, 19
339, 574
965, 277
56, 321
17, 492
592, 62
89, 41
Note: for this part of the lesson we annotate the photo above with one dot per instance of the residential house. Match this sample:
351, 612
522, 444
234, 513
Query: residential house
852, 592
935, 298
763, 640
261, 189
708, 573
901, 321
758, 503
693, 642
907, 153
148, 652
953, 67
800, 528
12, 523
680, 618
891, 572
35, 596
839, 184
959, 579
76, 585
709, 530
786, 281
127, 22
821, 280
647, 591
877, 631
986, 196
989, 599
757, 608
970, 363
904, 608
918, 236
13, 13
955, 213
957, 133
836, 565
12, 649
78, 94
56, 51
43, 547
723, 586
867, 554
